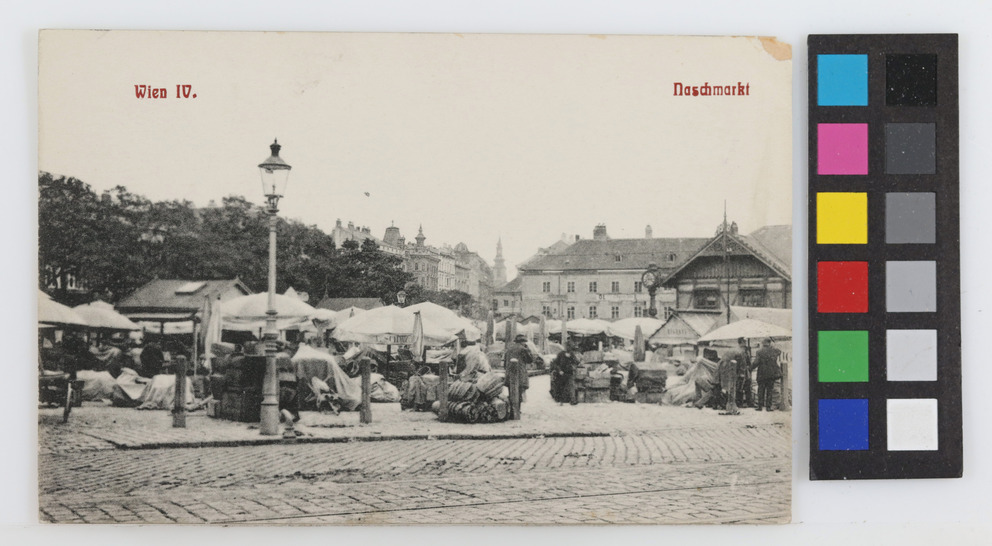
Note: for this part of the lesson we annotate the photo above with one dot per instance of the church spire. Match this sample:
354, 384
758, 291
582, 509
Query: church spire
499, 265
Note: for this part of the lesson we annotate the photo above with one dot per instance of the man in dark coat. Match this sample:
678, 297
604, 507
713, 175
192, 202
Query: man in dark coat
518, 350
152, 360
563, 376
769, 371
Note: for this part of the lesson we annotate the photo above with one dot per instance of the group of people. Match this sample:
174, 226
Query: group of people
733, 378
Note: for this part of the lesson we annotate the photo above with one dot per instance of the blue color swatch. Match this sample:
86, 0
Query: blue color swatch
842, 80
843, 424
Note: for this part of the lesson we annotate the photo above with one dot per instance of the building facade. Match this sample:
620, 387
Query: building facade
601, 277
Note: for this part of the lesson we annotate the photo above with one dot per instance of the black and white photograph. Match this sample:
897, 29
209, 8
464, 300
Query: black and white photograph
314, 278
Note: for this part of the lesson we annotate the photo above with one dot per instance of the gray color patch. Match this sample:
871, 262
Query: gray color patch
910, 148
911, 287
910, 218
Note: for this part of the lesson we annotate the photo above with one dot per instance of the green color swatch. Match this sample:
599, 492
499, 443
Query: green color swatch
843, 356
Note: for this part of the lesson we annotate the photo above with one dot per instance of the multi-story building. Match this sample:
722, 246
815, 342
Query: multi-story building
601, 277
423, 261
351, 232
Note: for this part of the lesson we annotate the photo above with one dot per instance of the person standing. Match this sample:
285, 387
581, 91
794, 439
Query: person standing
519, 351
745, 392
728, 372
769, 371
563, 376
475, 363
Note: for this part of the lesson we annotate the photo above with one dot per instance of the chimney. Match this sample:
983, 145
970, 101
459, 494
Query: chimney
647, 232
599, 233
576, 238
339, 222
351, 225
106, 197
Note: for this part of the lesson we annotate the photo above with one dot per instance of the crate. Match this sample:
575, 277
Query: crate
648, 397
244, 407
593, 396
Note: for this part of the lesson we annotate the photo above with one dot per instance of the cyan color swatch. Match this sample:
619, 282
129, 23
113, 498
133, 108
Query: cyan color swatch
843, 424
842, 80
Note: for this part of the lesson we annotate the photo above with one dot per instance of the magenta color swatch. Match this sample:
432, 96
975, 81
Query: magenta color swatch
842, 148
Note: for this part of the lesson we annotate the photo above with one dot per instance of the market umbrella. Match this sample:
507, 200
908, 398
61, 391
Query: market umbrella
638, 344
52, 312
447, 319
389, 324
101, 316
248, 312
747, 328
588, 327
625, 328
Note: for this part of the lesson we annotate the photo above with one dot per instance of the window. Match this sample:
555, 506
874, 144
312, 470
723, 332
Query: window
618, 258
614, 312
546, 286
706, 299
570, 313
638, 311
638, 286
416, 266
593, 312
671, 257
615, 286
592, 286
570, 287
546, 310
495, 305
751, 297
506, 303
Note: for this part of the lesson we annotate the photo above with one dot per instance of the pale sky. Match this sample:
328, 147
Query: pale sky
475, 137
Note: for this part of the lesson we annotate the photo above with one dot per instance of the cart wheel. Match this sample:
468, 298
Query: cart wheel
68, 403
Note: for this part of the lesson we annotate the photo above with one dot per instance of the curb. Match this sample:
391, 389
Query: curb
347, 439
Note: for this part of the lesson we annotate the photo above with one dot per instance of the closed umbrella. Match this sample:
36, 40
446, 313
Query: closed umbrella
490, 329
638, 344
53, 312
101, 316
417, 340
543, 335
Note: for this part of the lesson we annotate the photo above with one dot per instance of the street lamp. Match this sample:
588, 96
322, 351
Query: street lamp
651, 279
275, 177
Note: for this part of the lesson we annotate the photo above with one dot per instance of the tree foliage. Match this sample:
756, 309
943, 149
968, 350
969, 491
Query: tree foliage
113, 244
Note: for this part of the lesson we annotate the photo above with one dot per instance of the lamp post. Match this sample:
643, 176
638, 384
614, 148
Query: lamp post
651, 279
275, 177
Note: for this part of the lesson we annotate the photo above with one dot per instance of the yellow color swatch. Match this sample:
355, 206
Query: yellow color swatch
842, 218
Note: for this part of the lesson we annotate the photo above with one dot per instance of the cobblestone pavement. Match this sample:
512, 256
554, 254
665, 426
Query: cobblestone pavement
730, 472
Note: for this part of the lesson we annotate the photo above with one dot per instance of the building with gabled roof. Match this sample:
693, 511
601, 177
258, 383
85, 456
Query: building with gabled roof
177, 301
733, 269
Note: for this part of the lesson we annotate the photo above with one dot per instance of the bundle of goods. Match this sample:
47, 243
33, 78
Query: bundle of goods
485, 401
683, 390
382, 390
419, 391
650, 379
347, 390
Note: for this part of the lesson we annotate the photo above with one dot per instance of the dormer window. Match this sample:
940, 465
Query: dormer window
618, 258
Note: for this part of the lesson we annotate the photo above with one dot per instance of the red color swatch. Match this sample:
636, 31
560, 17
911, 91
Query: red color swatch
842, 287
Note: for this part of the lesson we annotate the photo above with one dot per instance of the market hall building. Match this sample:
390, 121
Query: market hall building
601, 277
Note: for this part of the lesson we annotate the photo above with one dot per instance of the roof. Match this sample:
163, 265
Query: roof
338, 304
771, 315
591, 254
698, 321
777, 240
512, 286
749, 244
165, 295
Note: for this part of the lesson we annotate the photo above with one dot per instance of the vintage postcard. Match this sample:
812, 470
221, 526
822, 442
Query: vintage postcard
332, 278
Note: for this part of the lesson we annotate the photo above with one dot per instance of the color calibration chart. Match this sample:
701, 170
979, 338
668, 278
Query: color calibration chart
884, 283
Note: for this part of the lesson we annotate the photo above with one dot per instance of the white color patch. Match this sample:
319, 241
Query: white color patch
912, 424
